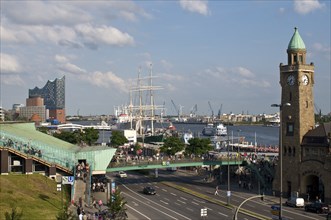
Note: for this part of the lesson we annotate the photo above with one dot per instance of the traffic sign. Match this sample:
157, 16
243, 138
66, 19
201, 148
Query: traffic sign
68, 180
204, 212
228, 193
58, 187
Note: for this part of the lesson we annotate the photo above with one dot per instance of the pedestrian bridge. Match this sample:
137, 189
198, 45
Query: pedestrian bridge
163, 164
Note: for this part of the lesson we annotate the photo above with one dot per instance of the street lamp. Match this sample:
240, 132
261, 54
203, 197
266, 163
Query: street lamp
280, 152
228, 193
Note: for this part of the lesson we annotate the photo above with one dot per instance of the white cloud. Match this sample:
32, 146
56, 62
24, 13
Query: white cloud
281, 10
9, 64
107, 80
44, 13
321, 48
72, 68
61, 59
104, 34
12, 80
307, 6
198, 6
244, 72
15, 35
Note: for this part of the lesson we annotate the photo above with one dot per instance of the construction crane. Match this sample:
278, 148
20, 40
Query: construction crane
194, 110
212, 111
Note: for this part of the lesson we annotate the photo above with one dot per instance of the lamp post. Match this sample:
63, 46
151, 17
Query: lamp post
228, 193
280, 152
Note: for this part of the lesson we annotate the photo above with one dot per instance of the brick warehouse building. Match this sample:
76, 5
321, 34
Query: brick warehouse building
306, 149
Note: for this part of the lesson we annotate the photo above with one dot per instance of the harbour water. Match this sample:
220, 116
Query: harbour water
264, 136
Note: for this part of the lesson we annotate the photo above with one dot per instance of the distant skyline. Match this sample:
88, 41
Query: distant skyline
223, 52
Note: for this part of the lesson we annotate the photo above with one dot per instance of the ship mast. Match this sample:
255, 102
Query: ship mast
152, 100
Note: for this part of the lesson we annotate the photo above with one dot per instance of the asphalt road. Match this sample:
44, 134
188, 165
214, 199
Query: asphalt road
171, 203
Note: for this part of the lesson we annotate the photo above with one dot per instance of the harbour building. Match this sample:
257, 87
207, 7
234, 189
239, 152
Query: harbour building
305, 148
53, 94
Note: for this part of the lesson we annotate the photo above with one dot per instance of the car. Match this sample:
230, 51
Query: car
122, 174
317, 207
295, 202
149, 190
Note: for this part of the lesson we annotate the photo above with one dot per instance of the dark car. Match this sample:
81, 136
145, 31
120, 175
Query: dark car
317, 207
149, 190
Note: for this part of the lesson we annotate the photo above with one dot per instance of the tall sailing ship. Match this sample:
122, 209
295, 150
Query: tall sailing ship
142, 110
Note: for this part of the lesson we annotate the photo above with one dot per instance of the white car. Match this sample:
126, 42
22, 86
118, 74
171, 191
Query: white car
122, 174
295, 202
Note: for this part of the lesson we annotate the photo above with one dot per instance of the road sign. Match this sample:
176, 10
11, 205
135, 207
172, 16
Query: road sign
228, 193
204, 212
58, 187
68, 180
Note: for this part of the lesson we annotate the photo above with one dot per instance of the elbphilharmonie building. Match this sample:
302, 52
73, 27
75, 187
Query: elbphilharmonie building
54, 97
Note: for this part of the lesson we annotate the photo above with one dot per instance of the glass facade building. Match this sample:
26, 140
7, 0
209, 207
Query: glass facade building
53, 93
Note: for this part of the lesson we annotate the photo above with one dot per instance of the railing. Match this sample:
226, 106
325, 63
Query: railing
138, 162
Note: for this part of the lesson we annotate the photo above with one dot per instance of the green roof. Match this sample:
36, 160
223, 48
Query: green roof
296, 41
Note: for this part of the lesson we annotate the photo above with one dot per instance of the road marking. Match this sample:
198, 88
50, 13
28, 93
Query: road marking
181, 201
190, 209
250, 205
135, 204
164, 190
234, 200
164, 202
138, 212
173, 194
201, 201
166, 199
183, 198
156, 187
177, 203
209, 209
153, 207
195, 203
223, 214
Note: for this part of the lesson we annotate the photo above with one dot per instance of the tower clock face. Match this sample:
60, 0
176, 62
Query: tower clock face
290, 80
305, 80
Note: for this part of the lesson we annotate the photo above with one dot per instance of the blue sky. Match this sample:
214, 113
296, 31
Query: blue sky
225, 52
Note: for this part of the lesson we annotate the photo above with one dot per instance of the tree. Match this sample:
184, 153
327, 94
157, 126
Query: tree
90, 135
116, 205
172, 145
198, 146
67, 136
14, 215
117, 139
65, 214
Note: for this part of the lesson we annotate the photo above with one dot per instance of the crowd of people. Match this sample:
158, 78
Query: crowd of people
82, 171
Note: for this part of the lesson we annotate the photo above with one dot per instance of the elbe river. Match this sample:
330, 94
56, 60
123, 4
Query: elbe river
265, 136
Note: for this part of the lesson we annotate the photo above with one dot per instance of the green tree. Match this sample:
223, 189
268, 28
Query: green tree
65, 214
90, 135
43, 129
116, 205
14, 214
198, 146
172, 145
67, 136
117, 139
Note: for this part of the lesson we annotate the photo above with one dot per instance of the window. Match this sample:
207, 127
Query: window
306, 104
295, 59
285, 150
293, 151
300, 58
290, 129
290, 151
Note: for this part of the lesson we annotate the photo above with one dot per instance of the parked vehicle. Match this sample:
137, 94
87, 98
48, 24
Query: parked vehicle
149, 190
122, 174
317, 207
295, 202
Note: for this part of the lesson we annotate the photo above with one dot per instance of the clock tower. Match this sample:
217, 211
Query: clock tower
296, 80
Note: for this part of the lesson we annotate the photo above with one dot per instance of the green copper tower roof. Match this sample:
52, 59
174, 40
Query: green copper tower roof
296, 41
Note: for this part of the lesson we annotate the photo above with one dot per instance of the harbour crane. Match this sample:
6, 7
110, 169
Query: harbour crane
220, 111
194, 110
212, 111
176, 109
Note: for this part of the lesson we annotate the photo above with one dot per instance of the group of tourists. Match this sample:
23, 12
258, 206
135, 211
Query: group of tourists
23, 147
82, 170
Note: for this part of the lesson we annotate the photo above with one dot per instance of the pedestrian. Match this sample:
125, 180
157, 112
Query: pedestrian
216, 191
